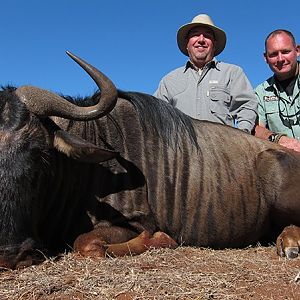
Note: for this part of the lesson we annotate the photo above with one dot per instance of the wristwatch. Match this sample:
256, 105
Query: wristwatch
275, 137
272, 137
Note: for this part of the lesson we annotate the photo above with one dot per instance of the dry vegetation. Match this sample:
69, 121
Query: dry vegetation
184, 273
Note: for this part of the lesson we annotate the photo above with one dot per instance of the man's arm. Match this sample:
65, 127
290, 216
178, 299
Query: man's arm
285, 141
244, 103
162, 91
261, 130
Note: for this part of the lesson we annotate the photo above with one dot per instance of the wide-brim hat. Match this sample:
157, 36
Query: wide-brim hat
201, 20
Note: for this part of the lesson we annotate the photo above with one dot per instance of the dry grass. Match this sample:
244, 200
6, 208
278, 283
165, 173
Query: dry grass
185, 273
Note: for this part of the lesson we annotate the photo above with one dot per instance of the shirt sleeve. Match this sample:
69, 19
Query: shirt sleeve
262, 120
162, 91
244, 104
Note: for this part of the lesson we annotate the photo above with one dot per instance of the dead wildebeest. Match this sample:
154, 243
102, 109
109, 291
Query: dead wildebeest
99, 171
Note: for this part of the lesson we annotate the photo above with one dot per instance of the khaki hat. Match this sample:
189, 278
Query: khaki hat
199, 20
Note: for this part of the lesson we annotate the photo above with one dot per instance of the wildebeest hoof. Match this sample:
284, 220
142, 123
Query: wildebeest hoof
162, 240
90, 246
288, 242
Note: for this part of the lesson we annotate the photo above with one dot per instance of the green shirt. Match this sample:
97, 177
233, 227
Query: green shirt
277, 111
220, 93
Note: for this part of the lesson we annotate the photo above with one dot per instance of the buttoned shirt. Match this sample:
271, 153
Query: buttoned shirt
278, 111
219, 93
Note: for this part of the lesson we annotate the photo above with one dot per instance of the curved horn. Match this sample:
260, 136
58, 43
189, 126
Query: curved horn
45, 103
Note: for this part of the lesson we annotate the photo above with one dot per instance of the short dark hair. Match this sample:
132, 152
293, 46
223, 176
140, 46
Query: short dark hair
279, 31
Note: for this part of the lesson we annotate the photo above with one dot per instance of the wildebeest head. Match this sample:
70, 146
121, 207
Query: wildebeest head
27, 138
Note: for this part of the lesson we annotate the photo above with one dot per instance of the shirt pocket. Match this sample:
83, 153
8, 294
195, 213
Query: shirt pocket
272, 115
219, 100
271, 108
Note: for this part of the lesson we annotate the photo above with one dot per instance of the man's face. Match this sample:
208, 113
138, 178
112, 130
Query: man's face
281, 55
201, 45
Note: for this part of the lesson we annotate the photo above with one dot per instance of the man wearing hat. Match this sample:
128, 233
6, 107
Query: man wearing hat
205, 88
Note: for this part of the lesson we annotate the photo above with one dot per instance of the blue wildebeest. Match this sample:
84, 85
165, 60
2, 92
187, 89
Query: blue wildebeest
121, 172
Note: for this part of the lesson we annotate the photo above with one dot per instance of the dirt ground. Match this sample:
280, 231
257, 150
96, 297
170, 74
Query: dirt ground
185, 273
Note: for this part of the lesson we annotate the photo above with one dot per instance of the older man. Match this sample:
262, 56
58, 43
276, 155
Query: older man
205, 88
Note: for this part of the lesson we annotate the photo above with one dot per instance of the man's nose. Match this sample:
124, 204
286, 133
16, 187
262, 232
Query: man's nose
280, 56
201, 38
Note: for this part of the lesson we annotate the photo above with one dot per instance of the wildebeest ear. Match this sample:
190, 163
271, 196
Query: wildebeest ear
80, 149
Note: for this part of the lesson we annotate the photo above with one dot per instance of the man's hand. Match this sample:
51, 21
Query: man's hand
263, 133
289, 143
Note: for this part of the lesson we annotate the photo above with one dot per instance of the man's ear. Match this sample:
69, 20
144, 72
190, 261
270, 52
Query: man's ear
265, 57
79, 149
298, 50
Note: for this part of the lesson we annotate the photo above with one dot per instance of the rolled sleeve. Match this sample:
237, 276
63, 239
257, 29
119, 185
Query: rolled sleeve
244, 105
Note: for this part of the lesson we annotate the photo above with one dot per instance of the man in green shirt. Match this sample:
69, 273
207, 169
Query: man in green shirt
279, 96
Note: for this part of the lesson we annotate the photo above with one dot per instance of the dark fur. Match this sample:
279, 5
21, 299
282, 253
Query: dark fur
155, 115
204, 184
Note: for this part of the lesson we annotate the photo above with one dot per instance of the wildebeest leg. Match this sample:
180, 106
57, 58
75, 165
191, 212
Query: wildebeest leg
94, 243
118, 241
141, 243
287, 212
281, 175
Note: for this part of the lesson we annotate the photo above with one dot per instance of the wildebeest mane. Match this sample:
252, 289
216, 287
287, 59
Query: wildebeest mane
8, 87
161, 118
155, 115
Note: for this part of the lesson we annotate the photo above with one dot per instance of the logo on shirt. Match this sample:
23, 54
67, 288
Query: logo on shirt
213, 82
270, 98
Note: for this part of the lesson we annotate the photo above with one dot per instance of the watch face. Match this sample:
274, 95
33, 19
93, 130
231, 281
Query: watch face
272, 137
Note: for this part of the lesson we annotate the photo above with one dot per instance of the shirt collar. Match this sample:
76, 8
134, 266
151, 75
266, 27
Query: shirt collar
211, 64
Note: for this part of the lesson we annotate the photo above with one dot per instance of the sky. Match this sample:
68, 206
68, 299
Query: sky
133, 42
